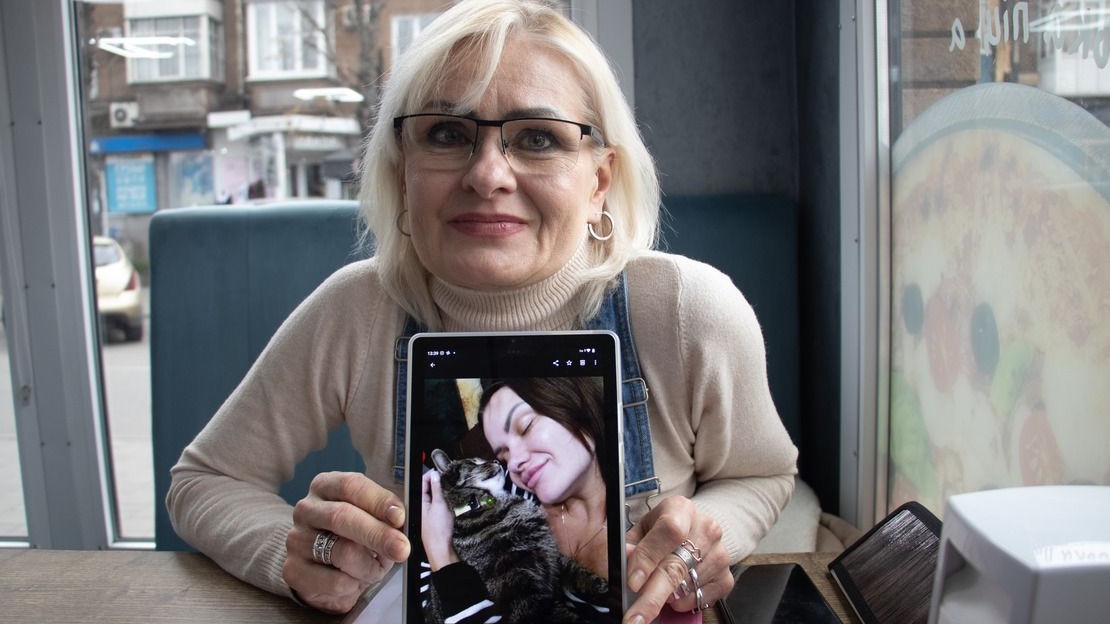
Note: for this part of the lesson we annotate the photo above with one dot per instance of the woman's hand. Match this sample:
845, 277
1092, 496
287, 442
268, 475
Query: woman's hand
658, 574
367, 519
437, 523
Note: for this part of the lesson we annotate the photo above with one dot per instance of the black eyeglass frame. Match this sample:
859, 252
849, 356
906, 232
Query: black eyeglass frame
588, 130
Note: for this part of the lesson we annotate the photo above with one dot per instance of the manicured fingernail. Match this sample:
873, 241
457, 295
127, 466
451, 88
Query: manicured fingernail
636, 579
638, 619
395, 515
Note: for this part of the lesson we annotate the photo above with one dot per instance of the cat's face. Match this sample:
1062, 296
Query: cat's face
462, 479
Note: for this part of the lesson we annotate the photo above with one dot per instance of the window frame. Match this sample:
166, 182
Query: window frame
209, 51
418, 21
256, 71
864, 209
52, 335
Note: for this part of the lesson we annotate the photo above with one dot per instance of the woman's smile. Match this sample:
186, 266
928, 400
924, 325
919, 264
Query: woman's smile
531, 475
491, 225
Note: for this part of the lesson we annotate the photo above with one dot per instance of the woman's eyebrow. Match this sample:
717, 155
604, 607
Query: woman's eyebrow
446, 106
509, 416
542, 112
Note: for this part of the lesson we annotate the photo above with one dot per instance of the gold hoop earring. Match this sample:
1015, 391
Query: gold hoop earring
400, 217
612, 227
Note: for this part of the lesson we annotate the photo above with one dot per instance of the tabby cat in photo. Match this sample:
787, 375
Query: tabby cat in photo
508, 542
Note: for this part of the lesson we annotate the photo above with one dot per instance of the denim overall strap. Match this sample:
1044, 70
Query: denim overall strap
639, 464
401, 356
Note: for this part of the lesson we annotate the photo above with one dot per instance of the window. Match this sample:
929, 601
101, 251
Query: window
287, 39
405, 28
999, 224
180, 48
1071, 48
90, 484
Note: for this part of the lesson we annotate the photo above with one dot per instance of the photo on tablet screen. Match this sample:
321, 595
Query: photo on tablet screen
510, 439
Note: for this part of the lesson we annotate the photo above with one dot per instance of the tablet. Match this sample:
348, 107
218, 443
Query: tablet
887, 575
520, 430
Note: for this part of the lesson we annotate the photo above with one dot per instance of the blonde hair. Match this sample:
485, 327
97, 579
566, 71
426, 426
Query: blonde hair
477, 30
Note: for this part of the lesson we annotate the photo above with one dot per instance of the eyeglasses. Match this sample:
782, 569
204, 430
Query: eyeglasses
532, 145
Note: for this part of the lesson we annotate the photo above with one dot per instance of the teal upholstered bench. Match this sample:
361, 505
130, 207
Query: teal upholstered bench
752, 238
222, 278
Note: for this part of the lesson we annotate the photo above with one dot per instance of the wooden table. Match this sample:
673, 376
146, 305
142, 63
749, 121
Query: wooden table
146, 586
133, 586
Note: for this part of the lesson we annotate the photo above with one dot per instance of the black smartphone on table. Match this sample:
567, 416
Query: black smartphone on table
775, 593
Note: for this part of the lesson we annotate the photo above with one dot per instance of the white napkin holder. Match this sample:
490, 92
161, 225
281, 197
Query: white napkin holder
1024, 555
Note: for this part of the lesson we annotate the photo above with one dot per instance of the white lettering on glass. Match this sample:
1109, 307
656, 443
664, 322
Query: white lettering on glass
1075, 27
995, 26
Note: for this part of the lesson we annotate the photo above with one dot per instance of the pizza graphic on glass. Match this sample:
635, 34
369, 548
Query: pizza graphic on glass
1000, 296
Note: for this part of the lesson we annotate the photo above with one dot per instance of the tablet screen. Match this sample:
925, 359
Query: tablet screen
525, 521
887, 575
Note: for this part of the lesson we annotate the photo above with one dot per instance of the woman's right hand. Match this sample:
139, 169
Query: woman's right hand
367, 519
437, 523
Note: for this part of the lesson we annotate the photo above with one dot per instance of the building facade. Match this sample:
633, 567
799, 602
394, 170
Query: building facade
199, 102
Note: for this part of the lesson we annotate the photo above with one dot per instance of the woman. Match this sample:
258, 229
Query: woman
545, 432
544, 224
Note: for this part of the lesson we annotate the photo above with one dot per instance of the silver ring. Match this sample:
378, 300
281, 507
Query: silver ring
682, 591
686, 556
699, 599
322, 547
694, 550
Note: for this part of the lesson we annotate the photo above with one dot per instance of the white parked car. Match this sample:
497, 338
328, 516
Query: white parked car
118, 289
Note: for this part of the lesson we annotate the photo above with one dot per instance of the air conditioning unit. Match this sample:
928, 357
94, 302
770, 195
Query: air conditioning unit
123, 114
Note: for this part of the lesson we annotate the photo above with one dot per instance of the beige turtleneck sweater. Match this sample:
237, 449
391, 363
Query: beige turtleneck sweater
716, 435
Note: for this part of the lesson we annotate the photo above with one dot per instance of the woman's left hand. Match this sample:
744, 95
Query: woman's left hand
660, 576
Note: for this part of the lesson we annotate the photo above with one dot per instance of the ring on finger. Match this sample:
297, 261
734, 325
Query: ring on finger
699, 598
322, 547
686, 556
694, 550
682, 591
700, 604
695, 579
